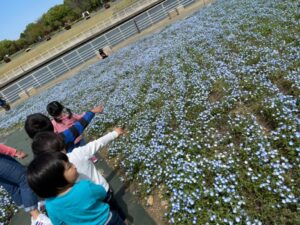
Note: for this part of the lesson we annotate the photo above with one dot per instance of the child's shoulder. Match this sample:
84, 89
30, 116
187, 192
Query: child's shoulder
84, 182
83, 185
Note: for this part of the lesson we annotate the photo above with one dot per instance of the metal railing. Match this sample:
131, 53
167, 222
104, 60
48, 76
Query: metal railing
83, 53
28, 65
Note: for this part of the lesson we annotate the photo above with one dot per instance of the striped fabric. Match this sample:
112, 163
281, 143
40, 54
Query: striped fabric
76, 130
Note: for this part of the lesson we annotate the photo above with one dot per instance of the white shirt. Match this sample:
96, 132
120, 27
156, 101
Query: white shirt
80, 157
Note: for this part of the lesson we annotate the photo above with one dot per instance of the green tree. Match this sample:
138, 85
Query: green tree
80, 6
7, 47
32, 32
51, 21
57, 16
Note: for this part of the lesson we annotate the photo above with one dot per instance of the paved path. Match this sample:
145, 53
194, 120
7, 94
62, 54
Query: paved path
135, 212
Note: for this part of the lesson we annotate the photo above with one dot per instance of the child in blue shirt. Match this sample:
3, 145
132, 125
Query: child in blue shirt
53, 177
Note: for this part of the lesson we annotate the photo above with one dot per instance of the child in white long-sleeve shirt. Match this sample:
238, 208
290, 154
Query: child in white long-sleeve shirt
47, 142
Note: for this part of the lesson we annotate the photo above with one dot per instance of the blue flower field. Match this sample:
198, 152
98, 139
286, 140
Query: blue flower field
212, 109
7, 208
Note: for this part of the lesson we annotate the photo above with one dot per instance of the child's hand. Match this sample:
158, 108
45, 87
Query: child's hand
119, 130
98, 109
20, 154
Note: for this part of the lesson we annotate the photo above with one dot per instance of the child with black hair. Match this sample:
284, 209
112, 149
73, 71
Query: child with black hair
49, 142
53, 177
38, 122
62, 119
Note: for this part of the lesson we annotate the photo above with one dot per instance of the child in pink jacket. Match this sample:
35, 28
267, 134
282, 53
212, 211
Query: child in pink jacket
63, 118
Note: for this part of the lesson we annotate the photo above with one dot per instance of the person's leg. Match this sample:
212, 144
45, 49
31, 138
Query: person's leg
14, 180
110, 199
13, 176
115, 219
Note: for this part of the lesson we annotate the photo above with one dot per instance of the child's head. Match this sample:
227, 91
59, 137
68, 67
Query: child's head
101, 51
50, 174
36, 123
55, 109
47, 142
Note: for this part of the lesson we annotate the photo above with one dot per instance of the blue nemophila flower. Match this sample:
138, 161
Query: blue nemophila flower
211, 112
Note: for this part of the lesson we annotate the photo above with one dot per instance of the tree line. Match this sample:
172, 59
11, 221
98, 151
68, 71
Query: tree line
55, 18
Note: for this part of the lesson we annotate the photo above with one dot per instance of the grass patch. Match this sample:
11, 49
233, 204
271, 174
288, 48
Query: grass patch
218, 90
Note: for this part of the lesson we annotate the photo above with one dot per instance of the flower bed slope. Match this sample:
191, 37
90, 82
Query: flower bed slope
211, 105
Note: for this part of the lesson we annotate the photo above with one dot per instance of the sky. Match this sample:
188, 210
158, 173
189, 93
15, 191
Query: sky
15, 15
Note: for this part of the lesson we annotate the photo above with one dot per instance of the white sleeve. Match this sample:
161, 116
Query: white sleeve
92, 147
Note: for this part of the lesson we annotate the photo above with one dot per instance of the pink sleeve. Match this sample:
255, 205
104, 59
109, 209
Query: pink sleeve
77, 117
4, 149
54, 126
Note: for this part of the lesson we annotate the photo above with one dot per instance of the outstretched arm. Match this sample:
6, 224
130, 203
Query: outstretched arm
6, 150
92, 147
77, 129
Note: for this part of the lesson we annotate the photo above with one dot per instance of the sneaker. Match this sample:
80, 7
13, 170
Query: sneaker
41, 220
94, 159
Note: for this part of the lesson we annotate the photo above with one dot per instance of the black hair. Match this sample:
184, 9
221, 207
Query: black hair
55, 109
102, 53
45, 174
36, 123
47, 142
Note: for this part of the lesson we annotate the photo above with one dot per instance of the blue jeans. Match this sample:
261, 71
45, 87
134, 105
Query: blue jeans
110, 199
13, 178
115, 219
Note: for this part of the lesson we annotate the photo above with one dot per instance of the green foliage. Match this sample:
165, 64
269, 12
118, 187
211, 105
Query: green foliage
219, 90
33, 32
4, 47
57, 16
8, 208
10, 47
51, 21
79, 6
